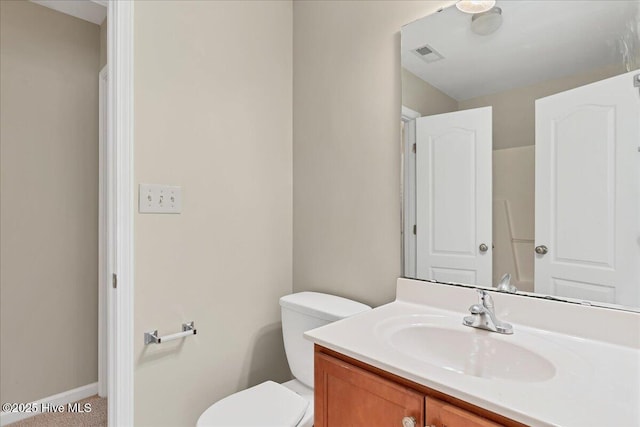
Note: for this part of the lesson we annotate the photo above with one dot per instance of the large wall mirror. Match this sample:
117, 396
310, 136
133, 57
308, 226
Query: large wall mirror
521, 149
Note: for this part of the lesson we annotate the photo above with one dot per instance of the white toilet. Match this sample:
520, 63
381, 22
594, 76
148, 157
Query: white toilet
289, 404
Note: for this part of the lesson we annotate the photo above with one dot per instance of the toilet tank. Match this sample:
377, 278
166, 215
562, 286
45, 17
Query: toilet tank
304, 311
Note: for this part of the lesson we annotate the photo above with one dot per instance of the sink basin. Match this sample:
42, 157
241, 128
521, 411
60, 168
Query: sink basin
441, 342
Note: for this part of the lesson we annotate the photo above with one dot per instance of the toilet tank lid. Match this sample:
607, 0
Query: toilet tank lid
322, 306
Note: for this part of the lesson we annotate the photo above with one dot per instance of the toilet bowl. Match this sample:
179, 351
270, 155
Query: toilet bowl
289, 404
268, 404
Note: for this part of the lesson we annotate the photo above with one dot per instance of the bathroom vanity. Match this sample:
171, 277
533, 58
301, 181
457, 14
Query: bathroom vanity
413, 363
359, 394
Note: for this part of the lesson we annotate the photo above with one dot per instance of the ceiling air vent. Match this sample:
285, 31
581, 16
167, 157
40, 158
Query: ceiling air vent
427, 53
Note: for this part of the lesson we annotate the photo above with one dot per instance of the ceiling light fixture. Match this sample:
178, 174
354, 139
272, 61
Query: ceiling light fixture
486, 23
475, 6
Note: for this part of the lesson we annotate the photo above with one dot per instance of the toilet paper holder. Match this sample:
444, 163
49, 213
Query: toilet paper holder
152, 337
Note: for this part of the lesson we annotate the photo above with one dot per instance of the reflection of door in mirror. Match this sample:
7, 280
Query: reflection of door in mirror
408, 128
539, 53
587, 179
453, 196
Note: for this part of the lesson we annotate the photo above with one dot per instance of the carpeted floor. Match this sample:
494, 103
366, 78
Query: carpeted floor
96, 418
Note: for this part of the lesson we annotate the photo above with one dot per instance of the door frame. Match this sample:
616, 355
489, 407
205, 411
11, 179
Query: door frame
105, 201
408, 119
119, 178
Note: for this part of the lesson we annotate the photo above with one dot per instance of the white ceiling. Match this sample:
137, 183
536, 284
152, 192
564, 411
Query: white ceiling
89, 10
538, 41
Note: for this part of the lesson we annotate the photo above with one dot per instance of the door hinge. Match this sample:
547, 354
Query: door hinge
415, 229
414, 148
636, 81
114, 280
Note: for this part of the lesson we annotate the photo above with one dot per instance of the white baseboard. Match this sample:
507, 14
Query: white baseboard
63, 398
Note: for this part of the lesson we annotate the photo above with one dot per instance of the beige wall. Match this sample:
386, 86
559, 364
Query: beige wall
213, 88
420, 96
49, 202
346, 126
513, 215
514, 110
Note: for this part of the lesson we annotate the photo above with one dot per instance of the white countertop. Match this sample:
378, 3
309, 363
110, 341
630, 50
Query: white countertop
596, 381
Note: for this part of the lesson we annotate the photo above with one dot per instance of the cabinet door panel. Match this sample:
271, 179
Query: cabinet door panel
441, 414
346, 396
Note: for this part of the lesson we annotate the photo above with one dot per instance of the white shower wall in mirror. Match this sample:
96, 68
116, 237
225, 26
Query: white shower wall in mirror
563, 174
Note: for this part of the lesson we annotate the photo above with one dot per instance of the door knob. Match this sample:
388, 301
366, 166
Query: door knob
408, 422
541, 250
483, 247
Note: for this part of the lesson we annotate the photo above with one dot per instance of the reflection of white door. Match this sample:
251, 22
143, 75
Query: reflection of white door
453, 206
587, 192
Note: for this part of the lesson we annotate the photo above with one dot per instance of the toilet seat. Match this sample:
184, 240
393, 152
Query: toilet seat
266, 405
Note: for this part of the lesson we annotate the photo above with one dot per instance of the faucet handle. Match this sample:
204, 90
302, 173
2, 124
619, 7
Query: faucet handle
485, 299
477, 309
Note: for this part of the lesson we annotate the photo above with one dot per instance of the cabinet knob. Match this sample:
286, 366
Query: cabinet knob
408, 422
483, 247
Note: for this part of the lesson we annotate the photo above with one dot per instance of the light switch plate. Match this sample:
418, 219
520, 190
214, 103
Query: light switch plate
156, 198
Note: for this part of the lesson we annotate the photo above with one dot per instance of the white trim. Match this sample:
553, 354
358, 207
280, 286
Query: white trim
120, 132
103, 241
409, 199
409, 114
63, 398
408, 166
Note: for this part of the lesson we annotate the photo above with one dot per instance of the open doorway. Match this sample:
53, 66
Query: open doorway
54, 323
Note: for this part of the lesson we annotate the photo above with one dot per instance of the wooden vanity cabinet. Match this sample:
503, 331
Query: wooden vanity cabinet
351, 393
346, 395
442, 414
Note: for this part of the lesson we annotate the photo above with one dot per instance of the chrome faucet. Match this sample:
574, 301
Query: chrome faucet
483, 316
505, 285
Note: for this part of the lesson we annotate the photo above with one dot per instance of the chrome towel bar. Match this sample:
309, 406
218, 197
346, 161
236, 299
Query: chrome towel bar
153, 338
